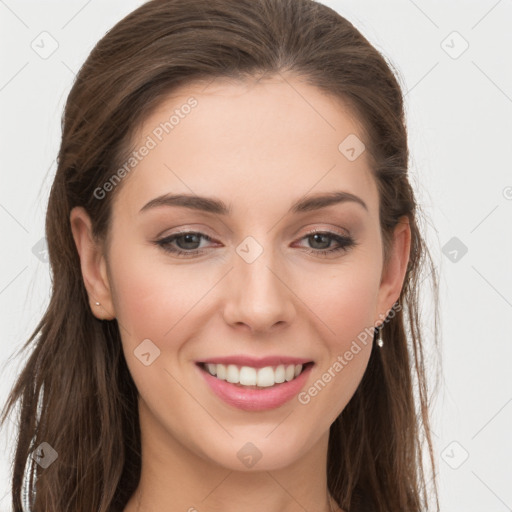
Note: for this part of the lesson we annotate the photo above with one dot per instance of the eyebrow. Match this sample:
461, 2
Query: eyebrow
219, 207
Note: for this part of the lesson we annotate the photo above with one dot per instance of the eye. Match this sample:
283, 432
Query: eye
321, 242
188, 243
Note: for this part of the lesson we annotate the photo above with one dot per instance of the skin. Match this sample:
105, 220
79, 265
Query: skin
258, 146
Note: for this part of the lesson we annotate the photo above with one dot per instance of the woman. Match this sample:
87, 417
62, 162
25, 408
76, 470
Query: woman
233, 239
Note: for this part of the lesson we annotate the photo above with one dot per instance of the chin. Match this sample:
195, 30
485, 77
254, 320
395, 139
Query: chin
249, 452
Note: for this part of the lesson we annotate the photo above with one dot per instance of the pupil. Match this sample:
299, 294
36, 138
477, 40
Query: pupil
318, 236
189, 239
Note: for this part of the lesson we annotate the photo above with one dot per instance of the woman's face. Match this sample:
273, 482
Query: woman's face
255, 292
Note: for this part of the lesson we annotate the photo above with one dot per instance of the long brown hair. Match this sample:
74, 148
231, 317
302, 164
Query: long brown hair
75, 391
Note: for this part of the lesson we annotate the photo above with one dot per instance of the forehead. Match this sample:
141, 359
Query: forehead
272, 139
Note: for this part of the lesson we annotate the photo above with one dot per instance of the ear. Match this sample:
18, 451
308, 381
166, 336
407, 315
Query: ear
93, 265
393, 273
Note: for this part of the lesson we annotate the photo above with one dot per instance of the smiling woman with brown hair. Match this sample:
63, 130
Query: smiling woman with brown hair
236, 256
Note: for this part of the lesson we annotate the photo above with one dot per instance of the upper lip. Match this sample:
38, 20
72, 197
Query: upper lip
255, 362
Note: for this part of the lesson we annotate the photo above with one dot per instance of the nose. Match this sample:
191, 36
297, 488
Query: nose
258, 297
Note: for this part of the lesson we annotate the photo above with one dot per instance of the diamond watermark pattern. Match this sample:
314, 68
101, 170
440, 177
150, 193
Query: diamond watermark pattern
455, 455
454, 249
45, 45
249, 249
352, 147
147, 352
249, 455
44, 455
454, 45
40, 250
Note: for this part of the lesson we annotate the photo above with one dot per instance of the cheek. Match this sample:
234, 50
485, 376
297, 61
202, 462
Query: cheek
344, 302
343, 298
153, 301
150, 298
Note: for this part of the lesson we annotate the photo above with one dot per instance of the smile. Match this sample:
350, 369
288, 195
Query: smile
265, 385
247, 376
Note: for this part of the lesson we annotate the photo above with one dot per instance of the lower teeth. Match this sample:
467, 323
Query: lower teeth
256, 387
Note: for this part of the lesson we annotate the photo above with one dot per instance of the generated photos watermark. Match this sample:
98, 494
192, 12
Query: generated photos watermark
342, 361
151, 142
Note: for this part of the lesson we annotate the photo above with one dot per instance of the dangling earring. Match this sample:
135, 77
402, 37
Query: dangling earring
380, 341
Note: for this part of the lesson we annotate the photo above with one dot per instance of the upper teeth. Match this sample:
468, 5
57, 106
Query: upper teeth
248, 376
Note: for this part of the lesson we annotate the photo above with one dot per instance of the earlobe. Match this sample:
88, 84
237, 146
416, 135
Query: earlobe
393, 274
92, 264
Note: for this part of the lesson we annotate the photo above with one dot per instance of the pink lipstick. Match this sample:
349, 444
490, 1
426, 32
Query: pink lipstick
253, 384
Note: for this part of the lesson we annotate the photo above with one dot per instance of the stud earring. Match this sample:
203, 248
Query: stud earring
97, 303
380, 341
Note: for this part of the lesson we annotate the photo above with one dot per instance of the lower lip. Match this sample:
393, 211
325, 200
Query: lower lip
256, 399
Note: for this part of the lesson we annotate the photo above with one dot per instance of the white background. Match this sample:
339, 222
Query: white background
460, 128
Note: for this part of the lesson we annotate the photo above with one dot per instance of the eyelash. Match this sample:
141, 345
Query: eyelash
346, 242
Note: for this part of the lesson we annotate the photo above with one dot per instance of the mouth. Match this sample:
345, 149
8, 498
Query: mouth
250, 377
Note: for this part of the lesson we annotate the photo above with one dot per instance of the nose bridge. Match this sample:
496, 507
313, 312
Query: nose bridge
257, 295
